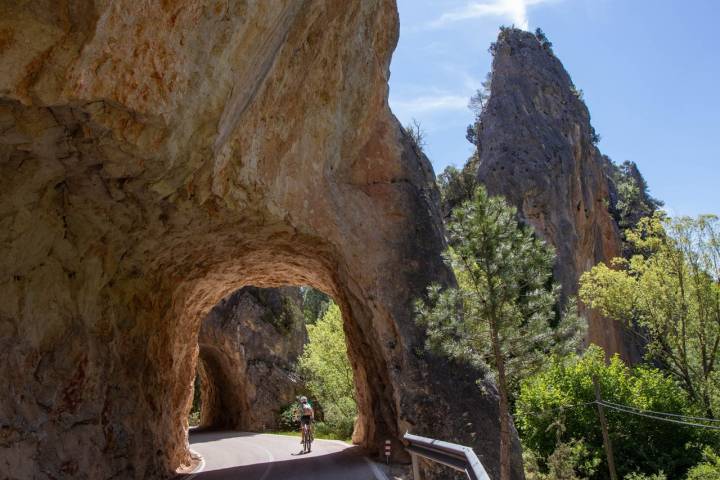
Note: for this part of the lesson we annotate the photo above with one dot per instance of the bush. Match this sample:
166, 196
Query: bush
563, 464
339, 428
709, 469
286, 420
194, 419
642, 476
552, 408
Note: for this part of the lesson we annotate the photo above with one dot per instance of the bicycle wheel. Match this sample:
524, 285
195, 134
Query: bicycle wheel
308, 439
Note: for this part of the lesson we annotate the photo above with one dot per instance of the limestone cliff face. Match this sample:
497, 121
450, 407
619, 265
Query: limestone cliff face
536, 149
249, 345
157, 156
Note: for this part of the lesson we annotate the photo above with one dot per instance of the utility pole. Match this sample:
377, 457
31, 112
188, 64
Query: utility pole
603, 425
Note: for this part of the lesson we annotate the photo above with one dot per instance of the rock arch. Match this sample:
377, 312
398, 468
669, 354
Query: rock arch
156, 158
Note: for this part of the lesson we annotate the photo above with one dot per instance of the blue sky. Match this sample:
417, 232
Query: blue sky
649, 69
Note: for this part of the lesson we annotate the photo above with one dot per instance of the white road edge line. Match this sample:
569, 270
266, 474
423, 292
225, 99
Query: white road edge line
200, 467
271, 459
377, 471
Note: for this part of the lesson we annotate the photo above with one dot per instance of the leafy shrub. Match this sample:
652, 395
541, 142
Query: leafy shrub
287, 420
553, 407
314, 304
194, 419
642, 476
563, 464
338, 428
709, 469
194, 416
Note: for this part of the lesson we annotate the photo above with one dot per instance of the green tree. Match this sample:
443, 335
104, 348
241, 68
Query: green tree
556, 406
633, 201
457, 185
477, 104
542, 38
672, 290
708, 469
326, 369
500, 316
565, 463
314, 304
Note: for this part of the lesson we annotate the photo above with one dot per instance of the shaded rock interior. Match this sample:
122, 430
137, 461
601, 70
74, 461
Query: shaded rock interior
248, 347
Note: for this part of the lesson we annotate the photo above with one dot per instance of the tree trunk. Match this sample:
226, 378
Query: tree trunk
504, 406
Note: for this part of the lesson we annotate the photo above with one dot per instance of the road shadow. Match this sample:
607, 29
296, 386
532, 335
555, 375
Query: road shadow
348, 464
196, 436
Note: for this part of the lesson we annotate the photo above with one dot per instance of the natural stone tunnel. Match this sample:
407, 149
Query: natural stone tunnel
156, 157
249, 344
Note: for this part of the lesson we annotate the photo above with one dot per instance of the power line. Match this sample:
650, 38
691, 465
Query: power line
563, 407
662, 419
688, 417
651, 414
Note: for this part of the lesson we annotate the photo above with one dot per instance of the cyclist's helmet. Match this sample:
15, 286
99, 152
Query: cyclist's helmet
303, 399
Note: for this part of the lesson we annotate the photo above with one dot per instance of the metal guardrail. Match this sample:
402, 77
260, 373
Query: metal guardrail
455, 456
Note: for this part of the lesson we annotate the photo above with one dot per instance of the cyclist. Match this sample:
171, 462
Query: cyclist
307, 416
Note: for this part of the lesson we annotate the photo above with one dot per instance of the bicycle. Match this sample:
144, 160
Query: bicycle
307, 437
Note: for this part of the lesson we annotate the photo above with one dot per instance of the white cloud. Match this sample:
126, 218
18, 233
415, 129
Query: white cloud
430, 103
516, 11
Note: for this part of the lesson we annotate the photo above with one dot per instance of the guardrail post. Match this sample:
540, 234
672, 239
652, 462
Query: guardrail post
415, 467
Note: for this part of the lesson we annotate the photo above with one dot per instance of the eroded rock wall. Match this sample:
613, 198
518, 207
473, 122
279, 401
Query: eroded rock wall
536, 149
249, 346
157, 156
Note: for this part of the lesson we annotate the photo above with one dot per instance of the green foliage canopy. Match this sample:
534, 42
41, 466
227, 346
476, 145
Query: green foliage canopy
326, 368
671, 288
634, 201
457, 185
708, 469
500, 317
314, 304
552, 407
504, 273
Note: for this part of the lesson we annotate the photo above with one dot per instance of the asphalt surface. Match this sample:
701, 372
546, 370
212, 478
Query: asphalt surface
255, 456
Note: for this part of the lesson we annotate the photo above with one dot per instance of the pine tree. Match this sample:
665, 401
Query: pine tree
501, 317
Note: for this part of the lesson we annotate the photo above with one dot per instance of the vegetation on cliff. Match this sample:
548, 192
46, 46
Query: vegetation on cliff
631, 201
502, 316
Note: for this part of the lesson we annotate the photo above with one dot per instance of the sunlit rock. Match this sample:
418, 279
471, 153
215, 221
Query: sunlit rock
157, 156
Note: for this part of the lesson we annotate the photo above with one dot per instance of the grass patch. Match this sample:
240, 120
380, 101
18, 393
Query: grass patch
320, 435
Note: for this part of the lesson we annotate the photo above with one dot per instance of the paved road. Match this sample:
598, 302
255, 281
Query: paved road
253, 456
